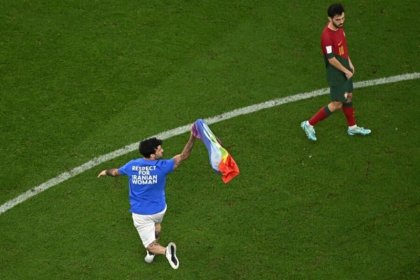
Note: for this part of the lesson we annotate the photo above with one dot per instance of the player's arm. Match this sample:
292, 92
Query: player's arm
113, 172
185, 152
327, 48
334, 62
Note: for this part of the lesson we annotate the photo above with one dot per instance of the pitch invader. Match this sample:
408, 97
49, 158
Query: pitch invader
340, 71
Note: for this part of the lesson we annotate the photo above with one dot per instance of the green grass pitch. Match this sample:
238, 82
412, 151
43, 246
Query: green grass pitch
79, 79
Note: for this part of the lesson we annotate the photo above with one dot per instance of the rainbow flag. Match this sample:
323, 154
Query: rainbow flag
220, 159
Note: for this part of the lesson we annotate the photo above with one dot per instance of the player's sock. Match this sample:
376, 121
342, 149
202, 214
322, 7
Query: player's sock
348, 111
323, 113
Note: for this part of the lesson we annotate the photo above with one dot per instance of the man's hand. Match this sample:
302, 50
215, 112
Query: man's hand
102, 173
348, 74
194, 132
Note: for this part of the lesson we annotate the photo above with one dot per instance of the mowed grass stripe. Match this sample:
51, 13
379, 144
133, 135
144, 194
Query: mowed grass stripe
182, 129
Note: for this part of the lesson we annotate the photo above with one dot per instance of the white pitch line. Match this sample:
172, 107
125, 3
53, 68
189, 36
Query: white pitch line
182, 129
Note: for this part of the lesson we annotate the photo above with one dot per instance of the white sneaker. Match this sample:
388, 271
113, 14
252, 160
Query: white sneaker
149, 257
309, 130
171, 255
358, 130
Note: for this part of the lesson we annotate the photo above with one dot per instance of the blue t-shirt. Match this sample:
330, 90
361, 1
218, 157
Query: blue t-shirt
147, 179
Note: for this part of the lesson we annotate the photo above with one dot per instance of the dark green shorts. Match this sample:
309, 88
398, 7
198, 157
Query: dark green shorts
337, 93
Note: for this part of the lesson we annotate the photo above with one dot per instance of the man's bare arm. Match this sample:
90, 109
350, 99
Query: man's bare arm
334, 62
185, 152
113, 172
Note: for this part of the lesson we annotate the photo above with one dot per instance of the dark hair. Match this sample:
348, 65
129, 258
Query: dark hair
335, 9
149, 146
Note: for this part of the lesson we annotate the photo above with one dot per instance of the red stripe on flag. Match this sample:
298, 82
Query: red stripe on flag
228, 168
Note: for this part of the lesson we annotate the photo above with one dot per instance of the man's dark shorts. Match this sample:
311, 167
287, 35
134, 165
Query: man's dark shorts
337, 93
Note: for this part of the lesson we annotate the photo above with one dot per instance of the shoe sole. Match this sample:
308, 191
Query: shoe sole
361, 134
173, 260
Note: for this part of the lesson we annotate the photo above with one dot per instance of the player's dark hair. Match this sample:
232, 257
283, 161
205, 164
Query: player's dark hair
335, 9
149, 146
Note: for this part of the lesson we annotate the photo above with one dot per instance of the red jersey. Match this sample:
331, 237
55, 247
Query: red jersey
334, 43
